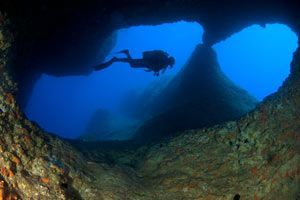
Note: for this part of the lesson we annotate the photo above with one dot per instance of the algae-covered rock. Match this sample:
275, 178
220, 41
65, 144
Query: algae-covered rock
34, 164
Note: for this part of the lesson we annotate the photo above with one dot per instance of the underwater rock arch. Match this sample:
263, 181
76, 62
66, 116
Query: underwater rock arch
82, 27
257, 58
256, 156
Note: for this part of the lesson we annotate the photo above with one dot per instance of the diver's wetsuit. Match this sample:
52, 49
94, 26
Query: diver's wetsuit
154, 64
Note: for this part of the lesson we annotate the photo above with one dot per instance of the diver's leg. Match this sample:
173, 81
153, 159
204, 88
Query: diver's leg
126, 52
134, 63
106, 64
124, 60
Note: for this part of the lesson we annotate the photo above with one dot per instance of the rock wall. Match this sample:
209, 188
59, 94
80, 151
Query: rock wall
36, 165
256, 157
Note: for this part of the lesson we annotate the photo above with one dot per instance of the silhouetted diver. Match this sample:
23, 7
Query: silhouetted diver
152, 60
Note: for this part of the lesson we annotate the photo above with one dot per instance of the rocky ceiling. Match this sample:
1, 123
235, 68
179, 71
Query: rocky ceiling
61, 38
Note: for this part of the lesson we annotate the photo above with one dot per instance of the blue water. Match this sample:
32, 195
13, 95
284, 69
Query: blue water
64, 105
257, 59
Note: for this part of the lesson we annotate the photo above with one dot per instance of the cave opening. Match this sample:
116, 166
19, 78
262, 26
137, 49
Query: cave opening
258, 58
67, 105
120, 103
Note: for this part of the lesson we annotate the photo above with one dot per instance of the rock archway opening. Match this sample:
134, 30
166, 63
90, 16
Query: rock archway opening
121, 103
258, 58
93, 106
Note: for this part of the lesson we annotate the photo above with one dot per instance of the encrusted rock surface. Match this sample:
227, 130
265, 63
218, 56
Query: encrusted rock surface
256, 157
35, 165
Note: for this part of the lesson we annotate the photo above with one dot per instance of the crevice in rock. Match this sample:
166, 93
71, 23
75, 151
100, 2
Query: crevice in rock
236, 197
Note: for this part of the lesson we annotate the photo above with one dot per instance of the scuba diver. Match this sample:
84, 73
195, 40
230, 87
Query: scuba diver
153, 61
